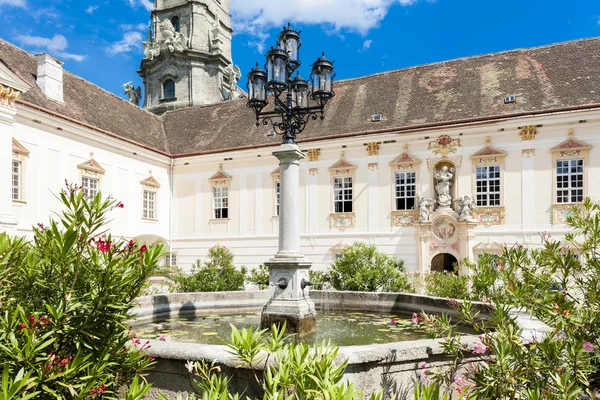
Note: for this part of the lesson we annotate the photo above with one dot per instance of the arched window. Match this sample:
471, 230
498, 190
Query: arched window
168, 89
176, 24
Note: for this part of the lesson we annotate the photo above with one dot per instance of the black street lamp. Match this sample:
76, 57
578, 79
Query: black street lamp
290, 114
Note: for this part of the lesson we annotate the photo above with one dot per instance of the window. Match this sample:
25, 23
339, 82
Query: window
221, 202
342, 194
16, 179
405, 190
277, 196
569, 181
487, 181
89, 186
176, 24
170, 260
168, 89
149, 204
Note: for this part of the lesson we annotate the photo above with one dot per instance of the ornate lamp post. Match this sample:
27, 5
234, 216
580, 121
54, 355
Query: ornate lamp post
293, 106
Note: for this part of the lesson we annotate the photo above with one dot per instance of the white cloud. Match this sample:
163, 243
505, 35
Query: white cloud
367, 44
130, 42
131, 27
254, 17
91, 9
56, 46
15, 3
147, 4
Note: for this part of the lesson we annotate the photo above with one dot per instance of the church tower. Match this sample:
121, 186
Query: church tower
187, 55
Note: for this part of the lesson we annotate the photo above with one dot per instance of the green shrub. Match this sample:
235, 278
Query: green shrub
484, 276
65, 298
562, 291
363, 268
260, 274
217, 275
447, 284
297, 371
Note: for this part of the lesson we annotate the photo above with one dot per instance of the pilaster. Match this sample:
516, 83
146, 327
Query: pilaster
528, 188
8, 222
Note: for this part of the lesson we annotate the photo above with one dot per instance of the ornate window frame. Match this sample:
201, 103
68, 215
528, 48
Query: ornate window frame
150, 185
405, 162
338, 249
91, 169
486, 157
220, 179
276, 175
19, 154
569, 149
342, 168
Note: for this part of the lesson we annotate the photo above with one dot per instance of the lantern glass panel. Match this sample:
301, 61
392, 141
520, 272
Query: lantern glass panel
277, 71
291, 46
300, 96
325, 80
257, 89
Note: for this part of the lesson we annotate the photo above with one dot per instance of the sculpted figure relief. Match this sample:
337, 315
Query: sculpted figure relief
444, 182
425, 205
175, 41
232, 75
134, 94
466, 205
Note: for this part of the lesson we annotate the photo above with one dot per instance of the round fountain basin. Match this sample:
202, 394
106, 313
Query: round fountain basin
393, 365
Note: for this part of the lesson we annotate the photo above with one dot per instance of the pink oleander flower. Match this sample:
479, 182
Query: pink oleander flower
479, 348
588, 346
120, 205
393, 321
22, 326
423, 365
460, 380
452, 302
162, 338
423, 379
415, 318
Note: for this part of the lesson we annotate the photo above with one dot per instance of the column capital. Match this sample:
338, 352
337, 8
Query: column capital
289, 153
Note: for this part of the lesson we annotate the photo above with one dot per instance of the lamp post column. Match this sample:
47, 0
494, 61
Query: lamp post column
289, 301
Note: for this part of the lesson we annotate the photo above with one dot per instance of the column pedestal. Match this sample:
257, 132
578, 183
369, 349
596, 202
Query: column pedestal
289, 301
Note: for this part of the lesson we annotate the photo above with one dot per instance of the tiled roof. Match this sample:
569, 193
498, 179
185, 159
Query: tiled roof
87, 103
544, 78
563, 75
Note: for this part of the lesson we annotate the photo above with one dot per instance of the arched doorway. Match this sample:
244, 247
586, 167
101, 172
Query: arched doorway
443, 262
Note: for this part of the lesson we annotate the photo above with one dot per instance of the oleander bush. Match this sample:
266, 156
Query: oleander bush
65, 298
362, 268
447, 284
259, 276
558, 285
216, 275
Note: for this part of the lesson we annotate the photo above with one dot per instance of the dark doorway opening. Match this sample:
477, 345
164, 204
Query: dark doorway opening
443, 262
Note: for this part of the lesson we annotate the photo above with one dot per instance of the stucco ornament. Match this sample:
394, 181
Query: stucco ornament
444, 182
425, 204
466, 205
173, 40
151, 50
134, 94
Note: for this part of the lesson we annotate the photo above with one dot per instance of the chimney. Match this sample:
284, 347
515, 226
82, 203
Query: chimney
50, 76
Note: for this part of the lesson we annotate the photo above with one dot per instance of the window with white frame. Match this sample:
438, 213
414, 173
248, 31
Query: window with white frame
277, 196
405, 190
487, 182
17, 179
89, 186
221, 202
170, 260
342, 194
569, 181
149, 204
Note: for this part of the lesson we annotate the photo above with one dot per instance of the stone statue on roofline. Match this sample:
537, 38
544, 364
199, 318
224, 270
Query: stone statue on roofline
134, 94
229, 80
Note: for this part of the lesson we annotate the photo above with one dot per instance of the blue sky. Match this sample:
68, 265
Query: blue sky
100, 40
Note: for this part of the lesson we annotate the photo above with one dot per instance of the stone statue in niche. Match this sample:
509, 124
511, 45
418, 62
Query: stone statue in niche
173, 40
466, 205
424, 205
134, 94
444, 182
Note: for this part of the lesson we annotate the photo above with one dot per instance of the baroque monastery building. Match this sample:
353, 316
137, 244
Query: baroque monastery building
432, 163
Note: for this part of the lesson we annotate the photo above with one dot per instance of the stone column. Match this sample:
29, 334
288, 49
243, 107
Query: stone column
289, 301
8, 222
